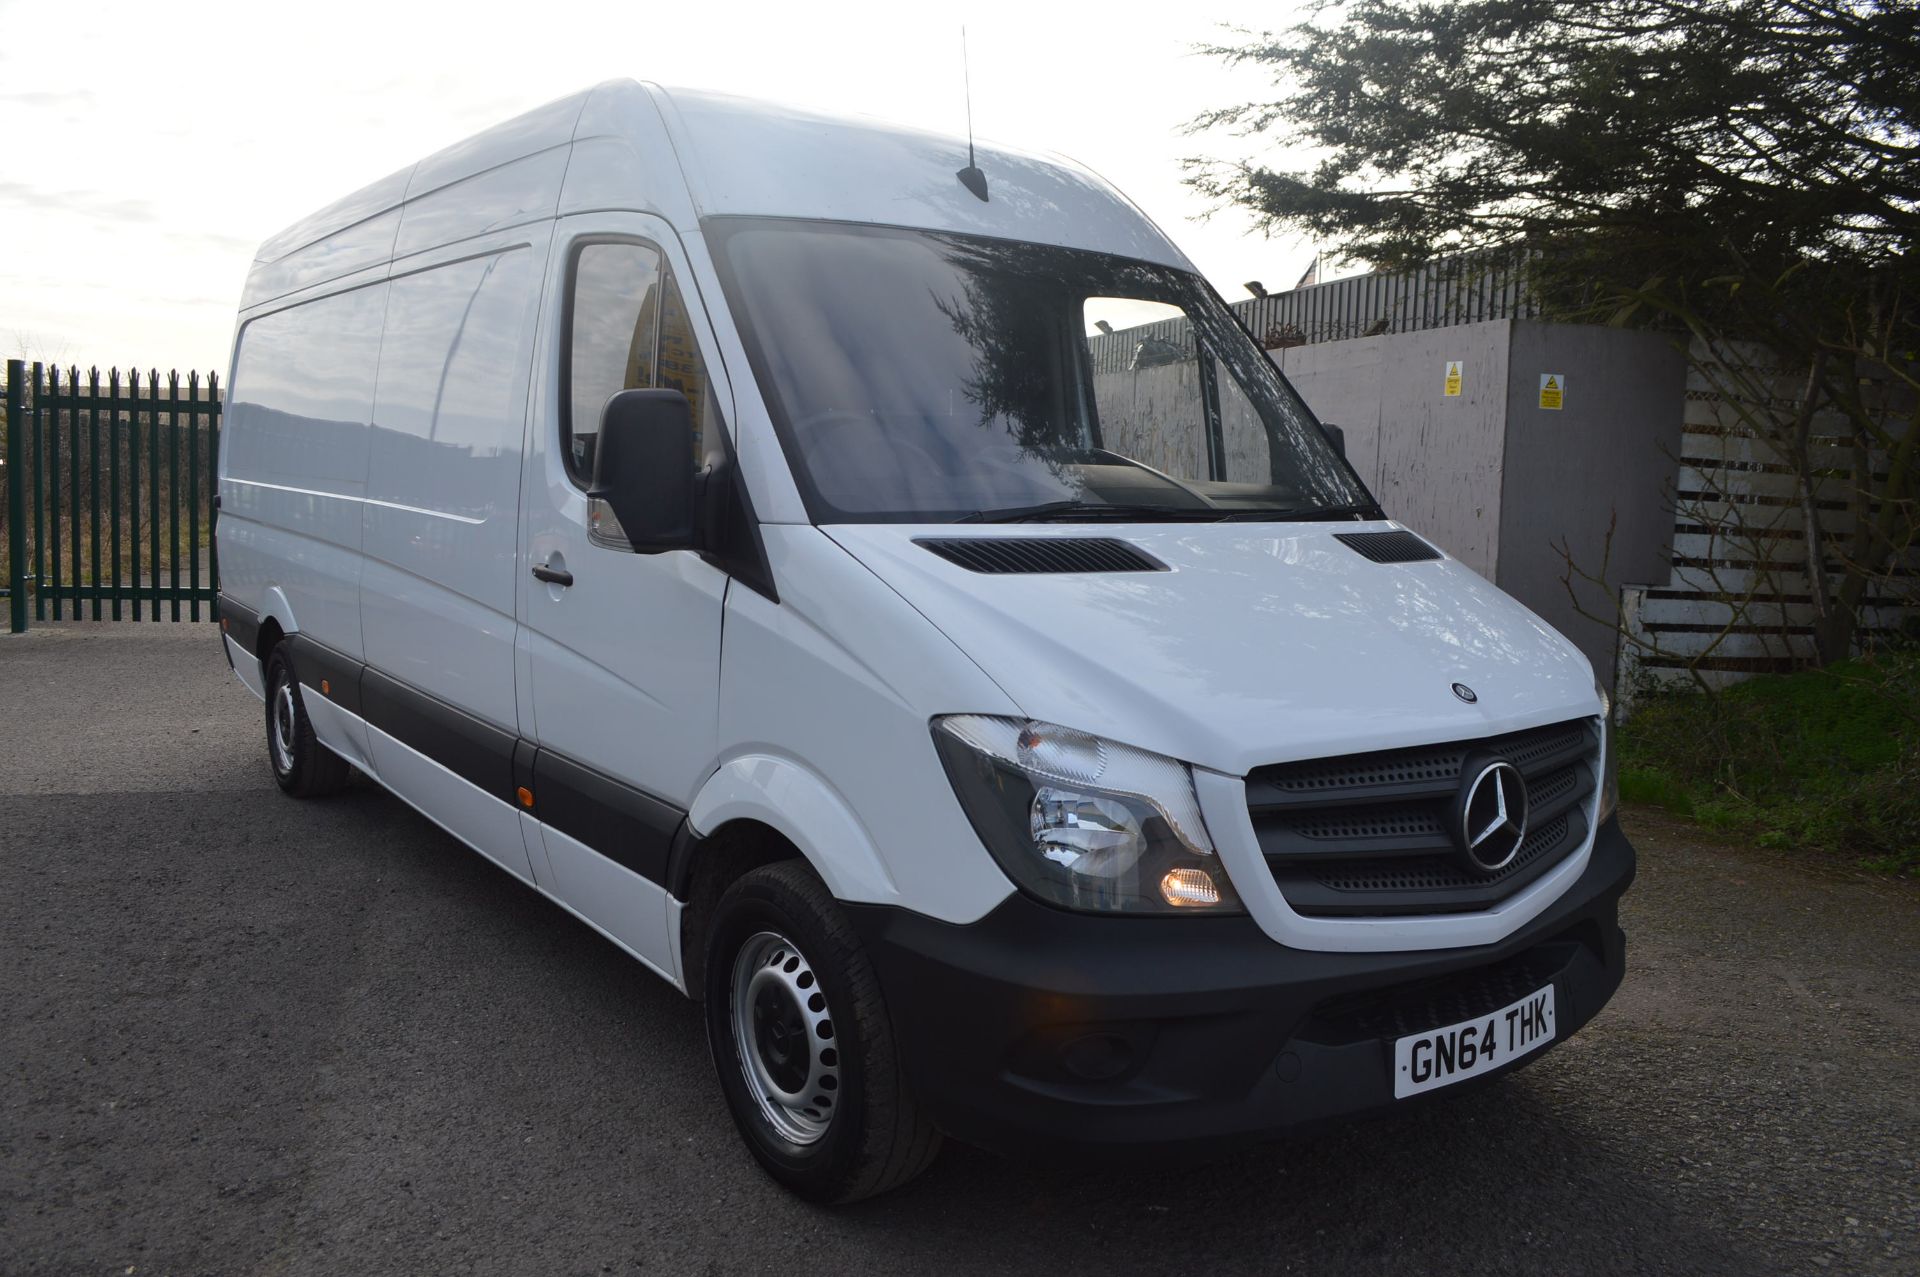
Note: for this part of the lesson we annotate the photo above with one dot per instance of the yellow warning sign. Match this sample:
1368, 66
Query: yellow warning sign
1552, 390
1453, 378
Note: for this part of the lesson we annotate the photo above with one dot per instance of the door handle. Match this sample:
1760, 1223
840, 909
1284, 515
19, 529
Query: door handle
552, 576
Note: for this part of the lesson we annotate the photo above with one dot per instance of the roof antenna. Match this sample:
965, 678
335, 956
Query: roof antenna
970, 177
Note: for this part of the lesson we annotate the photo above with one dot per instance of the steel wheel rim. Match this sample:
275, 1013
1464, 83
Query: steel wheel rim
783, 1035
283, 726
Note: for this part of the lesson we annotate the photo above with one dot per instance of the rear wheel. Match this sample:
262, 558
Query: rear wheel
802, 1042
301, 764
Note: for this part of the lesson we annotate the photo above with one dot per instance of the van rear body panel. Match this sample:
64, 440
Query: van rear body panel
293, 468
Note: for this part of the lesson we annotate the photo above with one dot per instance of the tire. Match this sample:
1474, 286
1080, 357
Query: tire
783, 968
302, 766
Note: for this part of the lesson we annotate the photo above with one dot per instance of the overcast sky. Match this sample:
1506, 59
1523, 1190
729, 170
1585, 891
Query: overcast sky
148, 148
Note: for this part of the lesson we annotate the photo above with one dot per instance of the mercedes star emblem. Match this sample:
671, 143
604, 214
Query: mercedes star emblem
1492, 819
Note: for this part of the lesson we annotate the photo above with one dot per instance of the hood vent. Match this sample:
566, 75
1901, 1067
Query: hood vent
1042, 554
1389, 547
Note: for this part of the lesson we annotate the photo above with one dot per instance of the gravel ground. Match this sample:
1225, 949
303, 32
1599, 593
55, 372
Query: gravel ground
242, 1034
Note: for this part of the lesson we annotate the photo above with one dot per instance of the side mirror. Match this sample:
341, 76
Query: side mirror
643, 468
1337, 437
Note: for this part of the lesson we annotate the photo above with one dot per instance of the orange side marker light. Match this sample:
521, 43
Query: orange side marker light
525, 796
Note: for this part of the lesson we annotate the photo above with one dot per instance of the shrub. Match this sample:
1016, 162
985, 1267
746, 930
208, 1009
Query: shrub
1824, 759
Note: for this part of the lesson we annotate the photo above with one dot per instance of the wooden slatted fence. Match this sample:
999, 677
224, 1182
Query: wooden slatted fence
1738, 601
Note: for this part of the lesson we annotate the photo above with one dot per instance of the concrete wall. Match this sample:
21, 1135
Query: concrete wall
1154, 415
1433, 460
1495, 479
1607, 458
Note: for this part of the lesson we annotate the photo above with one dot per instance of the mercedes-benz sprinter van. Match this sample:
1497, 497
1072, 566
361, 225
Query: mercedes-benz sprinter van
887, 594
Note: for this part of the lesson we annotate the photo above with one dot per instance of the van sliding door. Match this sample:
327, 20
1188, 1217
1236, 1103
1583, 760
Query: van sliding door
442, 531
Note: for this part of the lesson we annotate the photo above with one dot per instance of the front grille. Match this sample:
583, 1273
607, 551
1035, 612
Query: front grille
1426, 873
1369, 834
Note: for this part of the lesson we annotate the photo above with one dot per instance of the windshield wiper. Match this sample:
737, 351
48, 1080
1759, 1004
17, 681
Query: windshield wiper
1304, 514
1067, 511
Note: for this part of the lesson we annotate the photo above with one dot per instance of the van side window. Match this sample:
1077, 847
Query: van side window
629, 331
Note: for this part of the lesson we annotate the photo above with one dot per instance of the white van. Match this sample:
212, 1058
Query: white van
886, 593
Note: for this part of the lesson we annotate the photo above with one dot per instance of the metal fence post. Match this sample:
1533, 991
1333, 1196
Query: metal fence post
17, 495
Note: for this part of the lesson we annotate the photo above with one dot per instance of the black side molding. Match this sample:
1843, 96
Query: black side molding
470, 748
241, 624
524, 752
626, 825
686, 843
632, 829
316, 664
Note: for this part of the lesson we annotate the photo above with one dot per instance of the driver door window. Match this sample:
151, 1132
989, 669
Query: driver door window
628, 329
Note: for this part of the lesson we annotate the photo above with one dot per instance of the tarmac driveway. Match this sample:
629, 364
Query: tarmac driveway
243, 1034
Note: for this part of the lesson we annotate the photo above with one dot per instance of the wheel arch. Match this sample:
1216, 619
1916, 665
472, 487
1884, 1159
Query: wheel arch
795, 803
756, 810
276, 622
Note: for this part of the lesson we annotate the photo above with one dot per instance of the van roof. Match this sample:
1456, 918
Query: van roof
686, 155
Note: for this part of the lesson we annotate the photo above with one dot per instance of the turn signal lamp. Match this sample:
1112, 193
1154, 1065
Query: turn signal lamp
1186, 886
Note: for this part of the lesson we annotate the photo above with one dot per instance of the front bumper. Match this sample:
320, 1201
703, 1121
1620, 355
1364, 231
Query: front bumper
1035, 1030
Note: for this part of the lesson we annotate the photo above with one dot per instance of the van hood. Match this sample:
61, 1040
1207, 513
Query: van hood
1257, 645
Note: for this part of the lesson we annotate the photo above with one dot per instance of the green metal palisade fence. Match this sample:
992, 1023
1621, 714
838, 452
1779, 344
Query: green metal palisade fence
110, 495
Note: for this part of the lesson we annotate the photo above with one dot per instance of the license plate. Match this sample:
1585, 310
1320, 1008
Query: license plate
1441, 1057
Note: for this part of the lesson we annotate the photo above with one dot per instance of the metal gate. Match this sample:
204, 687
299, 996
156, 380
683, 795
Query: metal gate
109, 495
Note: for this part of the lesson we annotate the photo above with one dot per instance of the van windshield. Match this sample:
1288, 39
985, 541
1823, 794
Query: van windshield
923, 376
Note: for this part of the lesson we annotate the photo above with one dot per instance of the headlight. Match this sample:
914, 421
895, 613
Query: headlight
1609, 767
1082, 822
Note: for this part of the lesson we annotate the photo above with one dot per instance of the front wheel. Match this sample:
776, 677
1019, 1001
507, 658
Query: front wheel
801, 1039
302, 766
